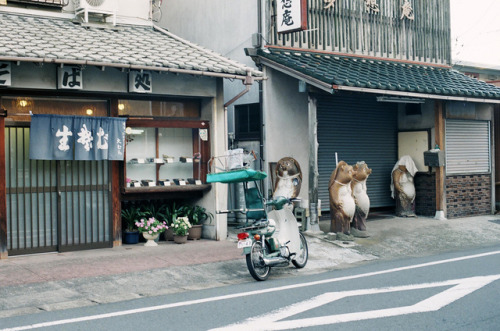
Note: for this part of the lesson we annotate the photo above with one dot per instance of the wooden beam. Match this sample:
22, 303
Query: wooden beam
440, 171
116, 207
313, 167
3, 195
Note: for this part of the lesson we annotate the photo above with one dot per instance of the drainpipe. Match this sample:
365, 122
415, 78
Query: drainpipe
238, 187
248, 83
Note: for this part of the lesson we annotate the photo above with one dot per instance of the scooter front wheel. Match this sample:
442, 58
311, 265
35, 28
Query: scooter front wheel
255, 262
302, 255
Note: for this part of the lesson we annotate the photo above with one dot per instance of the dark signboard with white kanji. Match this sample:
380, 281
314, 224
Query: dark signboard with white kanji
5, 74
70, 77
140, 82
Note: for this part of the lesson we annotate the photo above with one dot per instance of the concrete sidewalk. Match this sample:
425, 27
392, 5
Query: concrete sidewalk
34, 283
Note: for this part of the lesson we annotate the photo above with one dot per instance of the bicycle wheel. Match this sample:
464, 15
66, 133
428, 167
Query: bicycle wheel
300, 259
255, 262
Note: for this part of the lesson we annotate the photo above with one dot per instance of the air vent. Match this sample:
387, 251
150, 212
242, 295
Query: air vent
96, 8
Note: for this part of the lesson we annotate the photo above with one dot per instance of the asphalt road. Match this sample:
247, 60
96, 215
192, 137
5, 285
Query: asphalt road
453, 291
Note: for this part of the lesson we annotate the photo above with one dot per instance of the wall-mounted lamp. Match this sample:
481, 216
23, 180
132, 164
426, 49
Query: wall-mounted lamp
89, 110
22, 103
121, 106
129, 130
399, 99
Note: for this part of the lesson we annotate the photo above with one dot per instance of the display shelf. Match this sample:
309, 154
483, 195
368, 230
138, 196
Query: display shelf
177, 145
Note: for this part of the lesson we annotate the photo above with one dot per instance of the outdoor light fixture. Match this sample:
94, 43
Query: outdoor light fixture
400, 99
22, 103
121, 106
129, 130
89, 110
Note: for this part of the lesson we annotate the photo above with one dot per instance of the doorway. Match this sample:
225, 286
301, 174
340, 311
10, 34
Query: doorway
54, 205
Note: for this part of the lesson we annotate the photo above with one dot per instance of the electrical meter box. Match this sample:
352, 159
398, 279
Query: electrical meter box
434, 159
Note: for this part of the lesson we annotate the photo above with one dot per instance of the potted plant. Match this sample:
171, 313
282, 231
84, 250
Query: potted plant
171, 213
157, 211
181, 228
129, 216
151, 229
197, 215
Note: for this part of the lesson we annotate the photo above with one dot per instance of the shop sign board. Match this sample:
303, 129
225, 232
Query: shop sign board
70, 77
140, 82
291, 15
5, 74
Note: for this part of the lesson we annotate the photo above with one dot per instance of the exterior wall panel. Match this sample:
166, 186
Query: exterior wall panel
348, 27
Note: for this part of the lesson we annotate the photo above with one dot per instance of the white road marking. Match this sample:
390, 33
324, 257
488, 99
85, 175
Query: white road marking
239, 295
271, 320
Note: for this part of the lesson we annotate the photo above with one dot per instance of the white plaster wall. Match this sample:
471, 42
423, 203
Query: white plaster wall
224, 26
216, 198
286, 123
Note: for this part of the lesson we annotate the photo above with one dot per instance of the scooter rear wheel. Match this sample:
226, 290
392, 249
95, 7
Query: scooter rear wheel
302, 255
255, 262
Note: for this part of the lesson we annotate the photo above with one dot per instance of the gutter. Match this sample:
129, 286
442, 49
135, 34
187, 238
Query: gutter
414, 95
125, 66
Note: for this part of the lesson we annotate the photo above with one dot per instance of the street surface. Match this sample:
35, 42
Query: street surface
452, 291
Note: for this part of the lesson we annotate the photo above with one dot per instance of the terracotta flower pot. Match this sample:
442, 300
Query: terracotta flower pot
195, 232
180, 239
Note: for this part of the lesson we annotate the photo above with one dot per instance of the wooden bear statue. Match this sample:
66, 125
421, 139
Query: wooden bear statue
358, 186
342, 205
288, 178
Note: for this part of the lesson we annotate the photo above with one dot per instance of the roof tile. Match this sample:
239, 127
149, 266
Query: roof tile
381, 74
53, 38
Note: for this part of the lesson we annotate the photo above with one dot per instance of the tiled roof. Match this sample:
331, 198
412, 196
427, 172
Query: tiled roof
376, 74
32, 38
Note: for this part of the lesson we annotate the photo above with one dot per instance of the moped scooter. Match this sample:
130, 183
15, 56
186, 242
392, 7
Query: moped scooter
273, 239
273, 242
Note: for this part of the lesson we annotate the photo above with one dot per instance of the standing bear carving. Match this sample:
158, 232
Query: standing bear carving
358, 186
342, 205
288, 178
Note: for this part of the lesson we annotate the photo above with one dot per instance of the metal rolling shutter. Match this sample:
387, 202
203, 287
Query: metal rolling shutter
358, 128
467, 147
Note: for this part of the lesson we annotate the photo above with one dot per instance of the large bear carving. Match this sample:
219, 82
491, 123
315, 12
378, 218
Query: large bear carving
288, 178
358, 186
342, 205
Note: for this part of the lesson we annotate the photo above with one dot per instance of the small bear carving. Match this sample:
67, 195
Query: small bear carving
342, 205
358, 186
288, 178
402, 187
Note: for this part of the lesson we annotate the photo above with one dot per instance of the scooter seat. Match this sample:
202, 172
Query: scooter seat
260, 224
